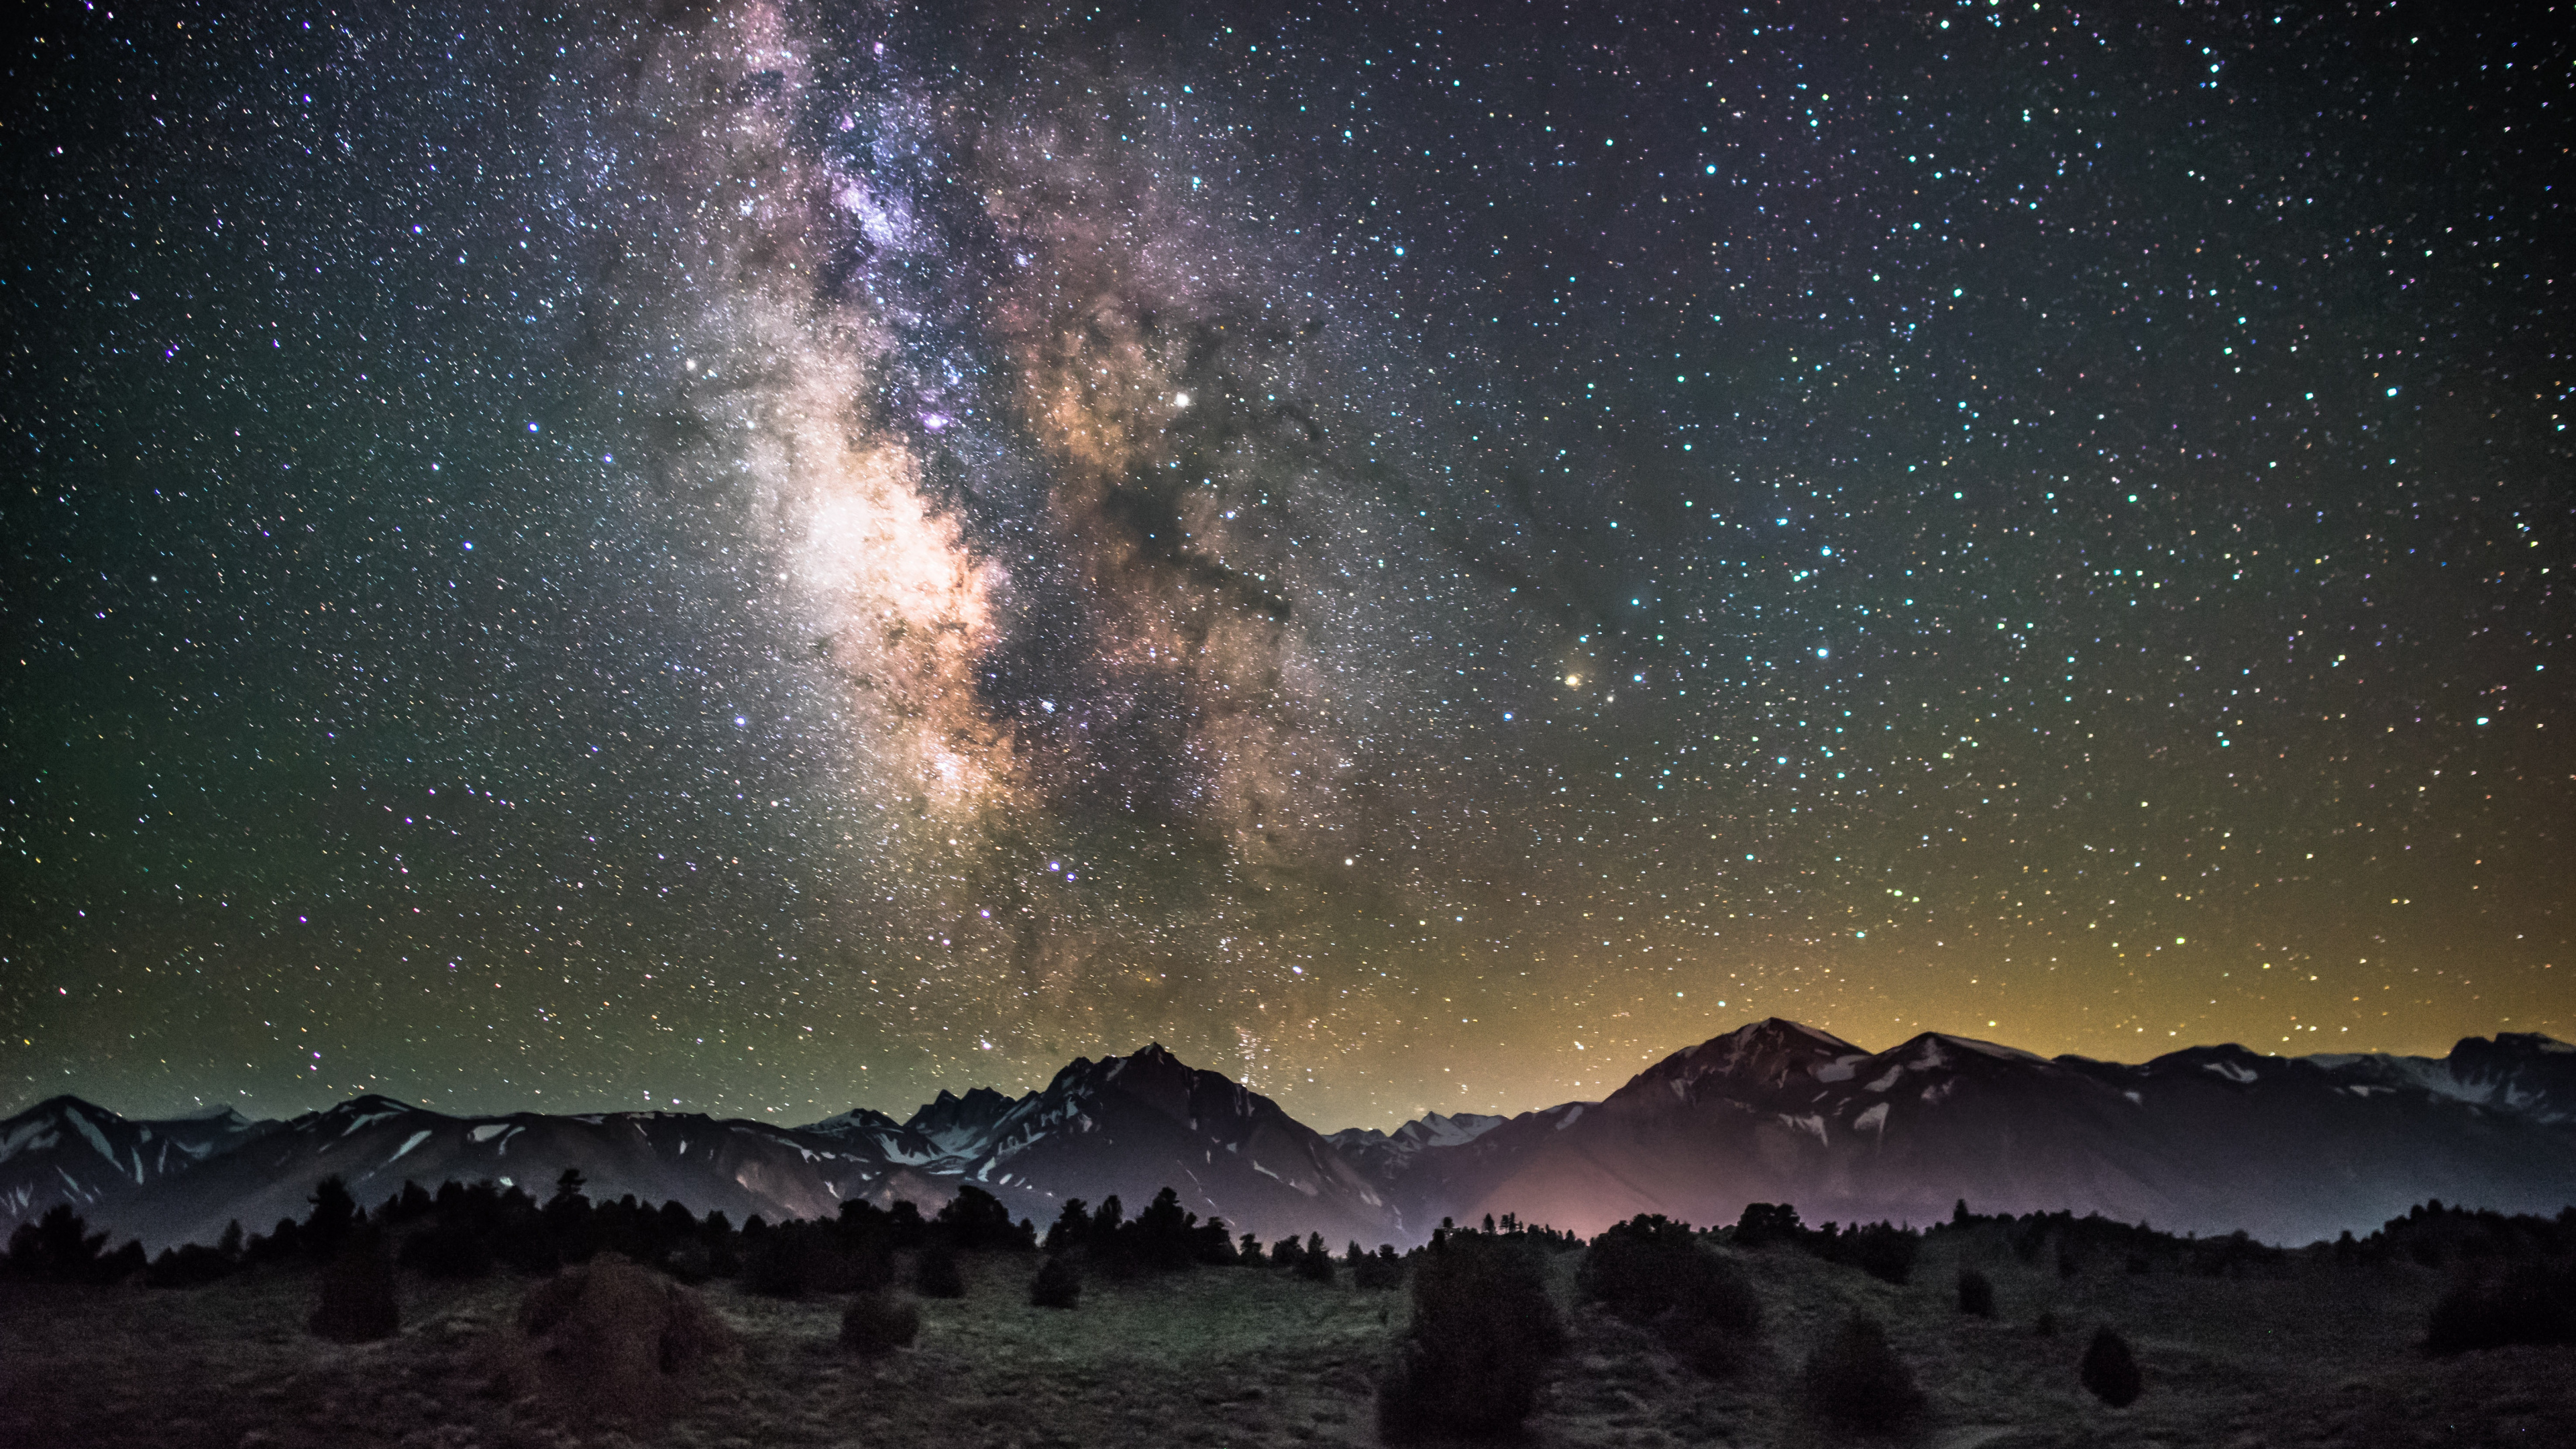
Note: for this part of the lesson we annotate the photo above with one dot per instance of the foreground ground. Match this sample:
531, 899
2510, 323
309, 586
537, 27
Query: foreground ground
2321, 1356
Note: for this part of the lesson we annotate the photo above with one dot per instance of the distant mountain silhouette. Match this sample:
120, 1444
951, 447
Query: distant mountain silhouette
2208, 1139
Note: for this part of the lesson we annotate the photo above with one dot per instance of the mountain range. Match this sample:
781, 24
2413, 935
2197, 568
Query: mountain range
2209, 1140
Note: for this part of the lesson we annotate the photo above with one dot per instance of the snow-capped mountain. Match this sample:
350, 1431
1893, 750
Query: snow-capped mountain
267, 1170
65, 1150
2210, 1139
1133, 1125
1383, 1156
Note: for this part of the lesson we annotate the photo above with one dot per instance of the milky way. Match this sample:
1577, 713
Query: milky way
776, 556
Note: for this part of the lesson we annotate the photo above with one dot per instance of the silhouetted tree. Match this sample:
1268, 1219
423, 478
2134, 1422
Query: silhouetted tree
1765, 1223
334, 1216
190, 1265
1072, 1227
1379, 1270
56, 1248
975, 1219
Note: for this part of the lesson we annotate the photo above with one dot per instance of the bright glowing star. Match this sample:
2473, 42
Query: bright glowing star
1573, 681
691, 364
1820, 653
532, 427
2392, 392
740, 722
1399, 251
1507, 714
1300, 970
1346, 860
1048, 705
469, 545
2482, 719
1059, 865
1180, 399
1828, 550
1712, 171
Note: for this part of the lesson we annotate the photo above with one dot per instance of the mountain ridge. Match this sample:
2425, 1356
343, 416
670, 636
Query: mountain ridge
2206, 1137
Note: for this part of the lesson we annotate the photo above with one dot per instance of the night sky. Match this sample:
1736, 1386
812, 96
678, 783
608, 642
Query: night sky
768, 557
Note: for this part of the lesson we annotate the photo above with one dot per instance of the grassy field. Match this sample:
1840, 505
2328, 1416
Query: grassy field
2320, 1356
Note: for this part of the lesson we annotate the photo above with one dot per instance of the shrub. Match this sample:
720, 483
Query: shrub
611, 1341
2110, 1371
1634, 1268
935, 1275
2533, 1304
877, 1323
1652, 1270
1058, 1284
1483, 1331
1855, 1381
358, 1303
1976, 1294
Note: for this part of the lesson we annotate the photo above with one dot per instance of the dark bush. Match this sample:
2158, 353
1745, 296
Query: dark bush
1483, 1333
1650, 1270
2110, 1371
1855, 1381
2531, 1304
358, 1304
877, 1322
1058, 1284
1976, 1294
935, 1275
1637, 1269
2046, 1324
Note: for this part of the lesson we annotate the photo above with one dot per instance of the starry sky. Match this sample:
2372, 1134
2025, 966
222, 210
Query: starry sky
772, 556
